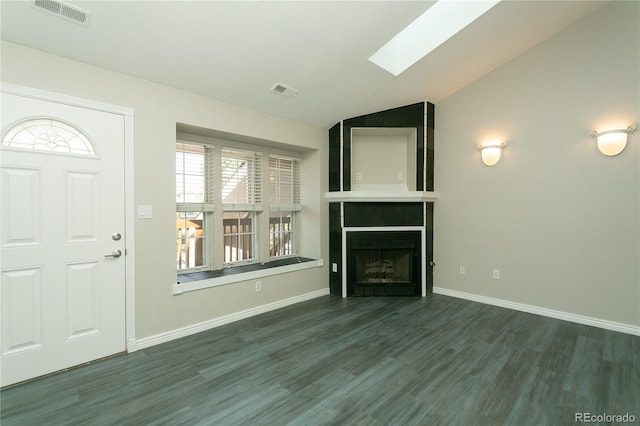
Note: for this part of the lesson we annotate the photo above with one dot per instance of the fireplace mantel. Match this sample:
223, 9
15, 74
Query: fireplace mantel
381, 196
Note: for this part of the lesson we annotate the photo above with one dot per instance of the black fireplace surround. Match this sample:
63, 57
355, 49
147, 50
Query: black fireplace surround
387, 262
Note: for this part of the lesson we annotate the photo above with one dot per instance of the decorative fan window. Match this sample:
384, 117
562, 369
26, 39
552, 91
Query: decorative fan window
48, 135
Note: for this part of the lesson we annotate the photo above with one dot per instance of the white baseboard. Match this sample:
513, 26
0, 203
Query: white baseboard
566, 316
146, 342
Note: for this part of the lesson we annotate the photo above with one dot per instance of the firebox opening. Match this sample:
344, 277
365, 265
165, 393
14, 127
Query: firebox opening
383, 263
383, 266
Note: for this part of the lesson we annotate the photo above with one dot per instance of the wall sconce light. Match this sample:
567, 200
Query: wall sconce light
491, 152
612, 142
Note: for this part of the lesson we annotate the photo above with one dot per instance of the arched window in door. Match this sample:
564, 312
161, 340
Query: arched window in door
48, 135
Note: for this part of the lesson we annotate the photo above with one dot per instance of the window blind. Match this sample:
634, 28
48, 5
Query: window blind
284, 183
241, 180
194, 178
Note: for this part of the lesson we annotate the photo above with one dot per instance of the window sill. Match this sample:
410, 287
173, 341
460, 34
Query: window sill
205, 279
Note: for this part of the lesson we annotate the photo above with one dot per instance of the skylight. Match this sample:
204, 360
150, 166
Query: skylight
435, 26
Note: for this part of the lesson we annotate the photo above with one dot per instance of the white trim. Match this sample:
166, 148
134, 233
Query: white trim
344, 263
130, 220
551, 313
226, 319
397, 196
127, 113
423, 258
424, 146
44, 95
341, 156
242, 207
195, 207
245, 276
283, 157
285, 207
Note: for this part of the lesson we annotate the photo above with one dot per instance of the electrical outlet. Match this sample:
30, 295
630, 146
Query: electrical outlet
258, 286
400, 176
496, 274
463, 270
358, 176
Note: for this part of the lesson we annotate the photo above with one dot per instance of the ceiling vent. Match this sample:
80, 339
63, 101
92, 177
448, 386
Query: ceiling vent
283, 90
64, 10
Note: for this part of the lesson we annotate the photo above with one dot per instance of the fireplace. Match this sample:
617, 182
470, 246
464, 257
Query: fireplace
383, 263
381, 199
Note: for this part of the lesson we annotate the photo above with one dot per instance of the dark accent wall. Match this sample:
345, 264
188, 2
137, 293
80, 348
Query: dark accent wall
429, 253
334, 158
383, 214
335, 249
430, 129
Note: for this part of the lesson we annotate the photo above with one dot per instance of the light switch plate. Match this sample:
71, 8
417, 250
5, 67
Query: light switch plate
145, 212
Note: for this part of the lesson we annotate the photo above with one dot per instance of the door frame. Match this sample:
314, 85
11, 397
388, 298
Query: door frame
129, 258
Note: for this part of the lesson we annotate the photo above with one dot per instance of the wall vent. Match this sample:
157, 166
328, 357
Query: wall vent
64, 10
283, 90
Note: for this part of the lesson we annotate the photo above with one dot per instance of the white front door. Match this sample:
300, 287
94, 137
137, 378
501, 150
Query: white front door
62, 236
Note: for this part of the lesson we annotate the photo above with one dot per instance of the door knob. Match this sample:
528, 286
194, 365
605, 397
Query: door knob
116, 253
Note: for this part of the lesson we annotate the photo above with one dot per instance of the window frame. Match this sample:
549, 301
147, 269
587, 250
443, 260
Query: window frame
250, 201
253, 237
50, 136
266, 205
280, 204
207, 205
206, 242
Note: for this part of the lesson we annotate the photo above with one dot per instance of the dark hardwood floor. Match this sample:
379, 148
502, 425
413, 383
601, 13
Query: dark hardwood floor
360, 361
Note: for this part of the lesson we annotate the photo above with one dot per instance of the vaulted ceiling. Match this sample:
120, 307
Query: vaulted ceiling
236, 51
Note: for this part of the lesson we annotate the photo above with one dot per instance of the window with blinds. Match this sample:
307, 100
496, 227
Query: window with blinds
222, 207
284, 194
194, 202
194, 175
241, 199
284, 183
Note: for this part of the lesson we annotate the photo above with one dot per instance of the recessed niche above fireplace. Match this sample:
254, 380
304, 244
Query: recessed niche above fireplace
383, 159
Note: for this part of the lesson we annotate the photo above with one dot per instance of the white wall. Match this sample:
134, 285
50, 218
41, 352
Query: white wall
157, 109
560, 220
